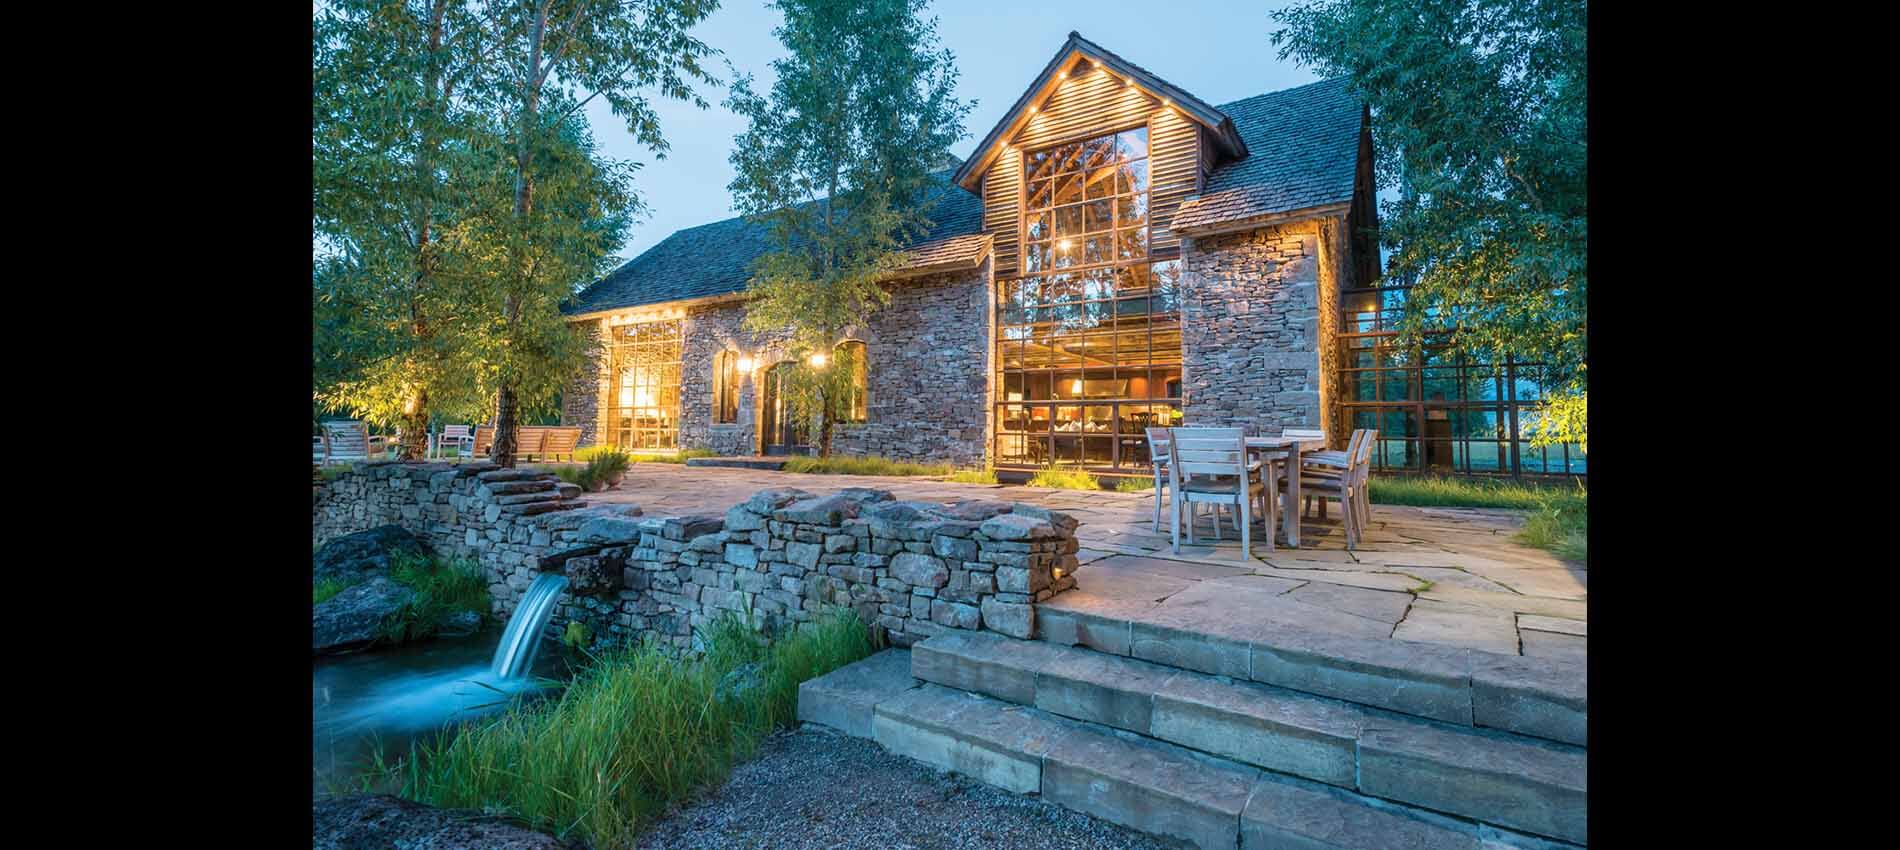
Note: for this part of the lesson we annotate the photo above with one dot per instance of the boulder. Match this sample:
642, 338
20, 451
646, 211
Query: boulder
461, 623
1014, 526
359, 555
380, 821
355, 617
828, 510
767, 501
866, 494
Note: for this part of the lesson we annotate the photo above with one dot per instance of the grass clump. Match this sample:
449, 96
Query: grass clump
985, 475
1138, 484
1064, 479
333, 471
325, 588
677, 457
636, 731
443, 589
1561, 527
1560, 512
863, 466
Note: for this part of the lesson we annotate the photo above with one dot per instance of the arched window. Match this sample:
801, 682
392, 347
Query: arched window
726, 387
857, 406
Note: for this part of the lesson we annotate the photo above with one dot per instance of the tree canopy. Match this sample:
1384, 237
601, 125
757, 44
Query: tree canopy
836, 163
1478, 111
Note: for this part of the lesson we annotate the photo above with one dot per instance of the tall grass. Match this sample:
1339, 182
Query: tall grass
986, 475
1560, 516
635, 731
1066, 479
679, 457
1135, 484
323, 589
863, 466
442, 589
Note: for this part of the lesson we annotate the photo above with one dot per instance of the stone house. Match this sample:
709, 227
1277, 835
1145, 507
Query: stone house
1116, 253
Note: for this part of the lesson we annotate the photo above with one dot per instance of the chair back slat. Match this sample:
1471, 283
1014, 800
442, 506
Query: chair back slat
1303, 433
561, 441
484, 439
1158, 439
1208, 451
528, 439
452, 432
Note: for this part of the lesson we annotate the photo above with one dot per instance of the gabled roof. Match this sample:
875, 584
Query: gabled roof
714, 260
1305, 143
1075, 50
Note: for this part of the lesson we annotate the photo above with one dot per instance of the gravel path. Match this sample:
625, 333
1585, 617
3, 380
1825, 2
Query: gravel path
818, 789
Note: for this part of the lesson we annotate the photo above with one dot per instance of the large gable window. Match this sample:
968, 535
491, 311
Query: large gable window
1086, 203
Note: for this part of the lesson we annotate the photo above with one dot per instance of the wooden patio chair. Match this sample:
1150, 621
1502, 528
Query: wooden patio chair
559, 440
1157, 462
1210, 466
484, 440
1325, 462
461, 436
528, 441
1345, 485
348, 440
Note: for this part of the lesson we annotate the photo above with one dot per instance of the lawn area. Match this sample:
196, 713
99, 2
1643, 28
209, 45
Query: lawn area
1560, 516
635, 732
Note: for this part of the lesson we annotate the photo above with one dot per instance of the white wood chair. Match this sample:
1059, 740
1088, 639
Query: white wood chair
1210, 466
1346, 485
462, 436
1158, 462
1324, 461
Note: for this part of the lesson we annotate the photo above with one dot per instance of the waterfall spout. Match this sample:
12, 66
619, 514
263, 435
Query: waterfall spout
519, 644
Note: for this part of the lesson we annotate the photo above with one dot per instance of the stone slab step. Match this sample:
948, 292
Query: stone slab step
1285, 814
526, 485
843, 698
771, 463
545, 494
1500, 778
1539, 697
995, 742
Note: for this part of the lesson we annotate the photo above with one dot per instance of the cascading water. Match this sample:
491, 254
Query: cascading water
520, 643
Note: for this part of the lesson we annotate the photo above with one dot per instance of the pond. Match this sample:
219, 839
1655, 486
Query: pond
408, 693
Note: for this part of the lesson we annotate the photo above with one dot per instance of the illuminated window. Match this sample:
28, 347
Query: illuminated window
856, 407
1085, 204
726, 387
644, 402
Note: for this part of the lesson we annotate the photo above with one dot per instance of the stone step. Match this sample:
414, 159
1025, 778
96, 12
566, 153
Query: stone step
771, 463
549, 494
842, 699
1499, 778
1542, 698
527, 485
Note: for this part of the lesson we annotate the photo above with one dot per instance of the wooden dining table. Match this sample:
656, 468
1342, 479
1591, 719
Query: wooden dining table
1289, 448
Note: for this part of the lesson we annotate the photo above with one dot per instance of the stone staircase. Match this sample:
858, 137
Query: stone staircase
527, 492
1305, 742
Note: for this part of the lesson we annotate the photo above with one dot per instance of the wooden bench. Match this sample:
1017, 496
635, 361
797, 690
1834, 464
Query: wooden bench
533, 442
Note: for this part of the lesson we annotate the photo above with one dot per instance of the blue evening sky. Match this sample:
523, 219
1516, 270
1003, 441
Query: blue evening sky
1217, 50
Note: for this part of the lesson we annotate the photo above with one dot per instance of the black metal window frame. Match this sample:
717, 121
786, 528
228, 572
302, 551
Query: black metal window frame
1437, 413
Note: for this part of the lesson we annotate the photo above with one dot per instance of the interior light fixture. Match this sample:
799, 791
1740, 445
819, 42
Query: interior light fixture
1063, 245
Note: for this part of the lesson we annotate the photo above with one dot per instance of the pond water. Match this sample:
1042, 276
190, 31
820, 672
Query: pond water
408, 693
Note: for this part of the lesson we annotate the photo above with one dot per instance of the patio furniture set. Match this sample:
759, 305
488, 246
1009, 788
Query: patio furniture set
1224, 467
346, 440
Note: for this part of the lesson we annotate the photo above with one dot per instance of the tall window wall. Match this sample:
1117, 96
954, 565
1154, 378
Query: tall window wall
1436, 412
644, 400
1089, 337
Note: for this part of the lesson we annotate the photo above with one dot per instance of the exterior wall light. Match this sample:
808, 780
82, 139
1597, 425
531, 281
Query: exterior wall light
818, 360
745, 364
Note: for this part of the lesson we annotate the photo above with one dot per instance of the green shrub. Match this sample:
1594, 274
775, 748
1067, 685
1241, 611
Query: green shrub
1561, 526
863, 466
1139, 484
1064, 479
323, 589
636, 731
333, 471
442, 590
973, 476
578, 635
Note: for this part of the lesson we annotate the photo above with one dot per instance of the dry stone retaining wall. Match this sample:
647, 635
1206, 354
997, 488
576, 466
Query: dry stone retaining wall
779, 559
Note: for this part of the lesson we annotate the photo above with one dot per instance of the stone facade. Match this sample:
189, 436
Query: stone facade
707, 331
1251, 331
780, 559
930, 355
582, 404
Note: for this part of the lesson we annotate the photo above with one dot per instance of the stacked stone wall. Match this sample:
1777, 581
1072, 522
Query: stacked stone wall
778, 560
1250, 329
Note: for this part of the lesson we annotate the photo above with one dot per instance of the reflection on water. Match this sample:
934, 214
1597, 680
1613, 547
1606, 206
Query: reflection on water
405, 694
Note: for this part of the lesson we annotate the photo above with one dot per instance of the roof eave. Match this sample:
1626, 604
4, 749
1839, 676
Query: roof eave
1255, 222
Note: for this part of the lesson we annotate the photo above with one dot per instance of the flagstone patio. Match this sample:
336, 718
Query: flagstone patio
1448, 576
